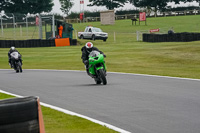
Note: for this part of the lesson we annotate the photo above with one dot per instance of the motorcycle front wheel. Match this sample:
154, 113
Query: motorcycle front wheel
102, 76
19, 67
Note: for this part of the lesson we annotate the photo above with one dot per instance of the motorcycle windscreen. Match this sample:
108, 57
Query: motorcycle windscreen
94, 53
15, 55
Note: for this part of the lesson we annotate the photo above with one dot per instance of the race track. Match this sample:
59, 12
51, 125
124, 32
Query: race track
135, 103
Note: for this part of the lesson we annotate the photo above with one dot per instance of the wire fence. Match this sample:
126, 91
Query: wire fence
18, 27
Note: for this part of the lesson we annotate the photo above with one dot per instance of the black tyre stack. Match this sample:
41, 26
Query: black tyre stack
175, 37
19, 115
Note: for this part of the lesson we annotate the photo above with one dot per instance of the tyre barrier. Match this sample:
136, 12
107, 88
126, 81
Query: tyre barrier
29, 43
21, 115
175, 37
74, 42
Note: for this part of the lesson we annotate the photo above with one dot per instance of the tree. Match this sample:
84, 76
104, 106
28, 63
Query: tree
66, 5
3, 5
110, 4
157, 4
177, 1
26, 6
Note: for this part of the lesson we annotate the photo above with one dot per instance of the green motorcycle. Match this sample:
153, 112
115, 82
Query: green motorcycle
97, 67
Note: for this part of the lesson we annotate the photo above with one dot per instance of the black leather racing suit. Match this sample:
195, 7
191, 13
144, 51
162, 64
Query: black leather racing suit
9, 57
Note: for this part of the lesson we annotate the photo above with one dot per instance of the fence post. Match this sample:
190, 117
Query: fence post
1, 26
126, 16
137, 35
114, 37
27, 26
53, 25
14, 25
40, 27
20, 30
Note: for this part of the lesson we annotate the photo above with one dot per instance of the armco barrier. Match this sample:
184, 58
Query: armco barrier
176, 37
31, 43
21, 115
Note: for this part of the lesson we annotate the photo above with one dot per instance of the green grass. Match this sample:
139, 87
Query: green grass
168, 59
5, 96
178, 59
58, 122
124, 29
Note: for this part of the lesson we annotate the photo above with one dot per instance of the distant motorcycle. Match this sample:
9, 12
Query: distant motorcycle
97, 67
16, 61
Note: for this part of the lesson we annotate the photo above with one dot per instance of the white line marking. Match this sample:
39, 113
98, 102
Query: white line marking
88, 118
74, 114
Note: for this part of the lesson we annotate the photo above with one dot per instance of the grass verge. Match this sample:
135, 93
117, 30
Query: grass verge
58, 122
177, 59
167, 59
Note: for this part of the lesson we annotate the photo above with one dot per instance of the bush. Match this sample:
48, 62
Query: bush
183, 8
74, 15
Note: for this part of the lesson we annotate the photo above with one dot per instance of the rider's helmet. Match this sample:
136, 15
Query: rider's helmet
12, 48
89, 46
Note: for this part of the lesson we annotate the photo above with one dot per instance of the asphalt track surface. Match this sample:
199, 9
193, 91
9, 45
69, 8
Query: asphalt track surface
135, 103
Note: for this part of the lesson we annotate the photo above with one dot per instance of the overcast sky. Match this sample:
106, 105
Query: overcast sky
76, 7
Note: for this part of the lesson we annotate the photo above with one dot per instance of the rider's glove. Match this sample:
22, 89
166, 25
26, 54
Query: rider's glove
104, 55
86, 62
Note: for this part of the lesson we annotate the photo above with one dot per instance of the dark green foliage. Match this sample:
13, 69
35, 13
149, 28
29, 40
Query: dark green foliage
182, 8
86, 13
66, 5
110, 4
157, 4
73, 15
58, 16
123, 12
26, 6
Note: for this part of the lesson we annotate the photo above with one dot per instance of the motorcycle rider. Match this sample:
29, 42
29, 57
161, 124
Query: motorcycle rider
12, 49
85, 53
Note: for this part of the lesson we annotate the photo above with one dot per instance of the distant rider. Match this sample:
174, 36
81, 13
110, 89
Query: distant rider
85, 53
12, 49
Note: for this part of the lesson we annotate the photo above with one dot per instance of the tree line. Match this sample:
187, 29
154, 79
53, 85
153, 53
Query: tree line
39, 6
33, 6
